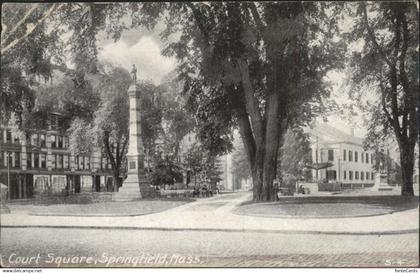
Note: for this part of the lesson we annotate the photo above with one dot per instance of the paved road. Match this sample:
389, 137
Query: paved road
198, 248
217, 214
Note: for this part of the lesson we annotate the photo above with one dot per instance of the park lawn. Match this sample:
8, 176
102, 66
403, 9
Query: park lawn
132, 208
325, 208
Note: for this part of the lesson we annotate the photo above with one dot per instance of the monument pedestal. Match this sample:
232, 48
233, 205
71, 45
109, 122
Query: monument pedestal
381, 183
136, 185
134, 188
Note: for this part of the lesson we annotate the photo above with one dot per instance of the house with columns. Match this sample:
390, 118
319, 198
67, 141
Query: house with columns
338, 156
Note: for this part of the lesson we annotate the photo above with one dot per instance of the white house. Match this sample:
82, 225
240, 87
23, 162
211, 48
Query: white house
340, 157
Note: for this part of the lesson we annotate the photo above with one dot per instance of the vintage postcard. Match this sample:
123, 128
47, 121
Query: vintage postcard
210, 134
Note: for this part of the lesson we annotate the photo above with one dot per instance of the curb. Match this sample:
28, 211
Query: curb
391, 232
281, 216
91, 215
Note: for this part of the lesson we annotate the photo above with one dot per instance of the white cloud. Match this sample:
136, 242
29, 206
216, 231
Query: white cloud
145, 54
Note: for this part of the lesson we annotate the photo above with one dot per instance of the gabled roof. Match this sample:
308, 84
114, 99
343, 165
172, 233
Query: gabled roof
329, 134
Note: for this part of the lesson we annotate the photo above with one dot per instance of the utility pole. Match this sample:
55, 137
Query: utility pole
316, 157
387, 166
8, 176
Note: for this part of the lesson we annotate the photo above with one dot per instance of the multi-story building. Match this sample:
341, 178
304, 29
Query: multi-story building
340, 157
39, 162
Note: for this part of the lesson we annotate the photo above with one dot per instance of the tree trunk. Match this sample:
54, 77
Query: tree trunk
257, 170
272, 137
407, 166
117, 182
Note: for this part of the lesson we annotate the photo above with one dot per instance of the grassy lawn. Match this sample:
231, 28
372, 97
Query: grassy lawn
100, 209
329, 207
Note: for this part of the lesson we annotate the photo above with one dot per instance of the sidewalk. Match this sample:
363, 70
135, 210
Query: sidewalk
214, 214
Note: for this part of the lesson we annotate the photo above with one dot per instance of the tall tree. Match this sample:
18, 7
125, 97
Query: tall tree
254, 66
295, 154
387, 63
178, 122
28, 48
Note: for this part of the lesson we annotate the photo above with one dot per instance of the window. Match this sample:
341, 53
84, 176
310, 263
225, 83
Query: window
59, 161
54, 161
60, 142
8, 136
29, 160
367, 175
66, 162
36, 160
356, 175
362, 176
9, 159
371, 158
17, 159
1, 136
344, 154
16, 138
332, 175
1, 159
53, 141
345, 175
44, 161
355, 156
76, 162
87, 160
351, 175
362, 157
350, 156
34, 140
81, 162
66, 142
372, 176
42, 140
330, 155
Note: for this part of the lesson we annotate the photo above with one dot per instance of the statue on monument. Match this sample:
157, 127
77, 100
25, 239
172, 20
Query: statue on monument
134, 73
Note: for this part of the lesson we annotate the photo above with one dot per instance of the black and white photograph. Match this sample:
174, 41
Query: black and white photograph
228, 134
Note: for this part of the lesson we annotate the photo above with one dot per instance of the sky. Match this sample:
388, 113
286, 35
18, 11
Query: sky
139, 47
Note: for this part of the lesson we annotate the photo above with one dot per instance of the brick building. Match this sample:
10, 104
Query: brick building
39, 162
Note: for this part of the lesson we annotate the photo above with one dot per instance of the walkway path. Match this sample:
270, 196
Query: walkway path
215, 214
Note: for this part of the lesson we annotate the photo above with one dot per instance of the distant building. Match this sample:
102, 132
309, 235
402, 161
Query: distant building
340, 157
223, 164
39, 162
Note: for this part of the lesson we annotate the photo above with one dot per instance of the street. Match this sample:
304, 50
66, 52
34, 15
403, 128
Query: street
208, 248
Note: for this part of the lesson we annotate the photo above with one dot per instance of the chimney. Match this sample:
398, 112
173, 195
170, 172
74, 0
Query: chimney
352, 131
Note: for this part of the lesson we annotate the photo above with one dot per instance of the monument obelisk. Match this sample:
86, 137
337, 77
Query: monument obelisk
136, 185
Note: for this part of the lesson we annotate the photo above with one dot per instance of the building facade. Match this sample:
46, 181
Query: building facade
340, 157
39, 162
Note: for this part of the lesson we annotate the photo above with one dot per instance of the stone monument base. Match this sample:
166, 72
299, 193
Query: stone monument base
381, 183
133, 191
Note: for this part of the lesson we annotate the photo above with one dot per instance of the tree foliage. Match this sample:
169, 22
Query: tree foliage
387, 64
166, 172
295, 154
27, 48
256, 66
